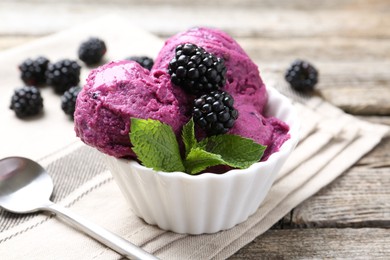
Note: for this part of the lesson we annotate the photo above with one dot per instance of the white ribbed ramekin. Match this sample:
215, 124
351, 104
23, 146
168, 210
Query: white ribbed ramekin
208, 202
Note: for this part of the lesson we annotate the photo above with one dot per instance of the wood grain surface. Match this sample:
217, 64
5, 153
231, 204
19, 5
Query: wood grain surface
347, 40
319, 243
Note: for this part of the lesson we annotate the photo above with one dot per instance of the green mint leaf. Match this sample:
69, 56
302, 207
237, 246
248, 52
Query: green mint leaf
155, 145
188, 136
199, 159
236, 151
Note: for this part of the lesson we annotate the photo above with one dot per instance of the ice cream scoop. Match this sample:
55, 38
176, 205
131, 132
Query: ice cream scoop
118, 91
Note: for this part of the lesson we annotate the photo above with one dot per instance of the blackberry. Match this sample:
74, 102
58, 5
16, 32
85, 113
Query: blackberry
302, 76
68, 100
196, 70
92, 51
144, 61
33, 71
214, 112
26, 101
63, 74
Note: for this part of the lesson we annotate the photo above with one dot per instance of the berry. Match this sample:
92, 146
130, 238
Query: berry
26, 101
214, 112
33, 71
144, 61
63, 74
302, 76
196, 70
68, 100
92, 51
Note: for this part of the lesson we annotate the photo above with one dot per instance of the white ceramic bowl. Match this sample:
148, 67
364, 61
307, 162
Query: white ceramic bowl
205, 203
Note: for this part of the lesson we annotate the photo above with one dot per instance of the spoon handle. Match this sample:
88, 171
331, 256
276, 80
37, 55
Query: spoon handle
117, 243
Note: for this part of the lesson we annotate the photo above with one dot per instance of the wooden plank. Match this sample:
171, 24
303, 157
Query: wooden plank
353, 74
356, 82
286, 4
331, 49
358, 95
385, 120
359, 198
379, 157
327, 243
238, 19
360, 101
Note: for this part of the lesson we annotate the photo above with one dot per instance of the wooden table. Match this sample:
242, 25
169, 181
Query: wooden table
347, 40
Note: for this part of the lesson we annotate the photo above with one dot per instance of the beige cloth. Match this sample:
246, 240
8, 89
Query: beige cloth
328, 146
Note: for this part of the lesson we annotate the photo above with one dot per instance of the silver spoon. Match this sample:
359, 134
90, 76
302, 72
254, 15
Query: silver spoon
26, 187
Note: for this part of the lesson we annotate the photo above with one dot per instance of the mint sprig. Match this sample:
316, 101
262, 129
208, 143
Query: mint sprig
156, 146
188, 136
236, 151
199, 159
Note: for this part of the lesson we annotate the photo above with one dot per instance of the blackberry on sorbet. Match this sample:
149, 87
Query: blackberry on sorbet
144, 61
26, 101
68, 100
63, 74
195, 70
302, 76
92, 51
214, 112
32, 71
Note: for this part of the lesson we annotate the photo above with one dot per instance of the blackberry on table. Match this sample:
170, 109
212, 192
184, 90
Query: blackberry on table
26, 101
214, 112
196, 70
63, 74
144, 61
92, 51
68, 100
302, 76
32, 72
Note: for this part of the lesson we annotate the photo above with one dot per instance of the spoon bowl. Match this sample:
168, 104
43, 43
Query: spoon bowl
26, 187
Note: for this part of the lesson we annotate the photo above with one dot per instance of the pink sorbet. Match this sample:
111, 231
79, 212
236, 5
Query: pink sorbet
117, 91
